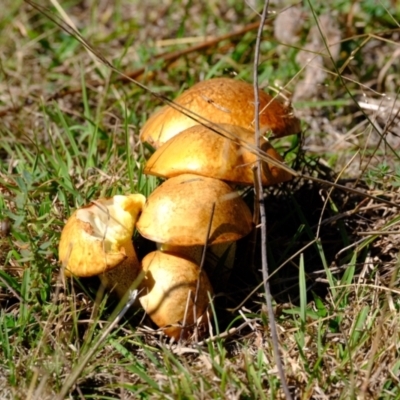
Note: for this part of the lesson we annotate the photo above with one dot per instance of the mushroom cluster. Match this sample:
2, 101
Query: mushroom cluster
197, 209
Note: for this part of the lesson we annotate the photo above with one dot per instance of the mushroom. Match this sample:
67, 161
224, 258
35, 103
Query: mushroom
175, 293
179, 214
224, 101
97, 240
200, 150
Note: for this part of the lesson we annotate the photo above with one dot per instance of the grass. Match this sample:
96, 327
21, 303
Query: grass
335, 275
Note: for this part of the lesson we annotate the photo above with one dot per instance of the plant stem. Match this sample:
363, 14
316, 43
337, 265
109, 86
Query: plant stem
260, 192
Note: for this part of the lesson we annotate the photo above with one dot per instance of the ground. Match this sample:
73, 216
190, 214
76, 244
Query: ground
69, 125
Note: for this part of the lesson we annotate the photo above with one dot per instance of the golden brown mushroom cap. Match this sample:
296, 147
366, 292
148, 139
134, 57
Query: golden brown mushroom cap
170, 288
178, 212
220, 100
199, 150
98, 237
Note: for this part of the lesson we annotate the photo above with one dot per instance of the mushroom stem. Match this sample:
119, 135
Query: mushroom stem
194, 253
220, 258
119, 279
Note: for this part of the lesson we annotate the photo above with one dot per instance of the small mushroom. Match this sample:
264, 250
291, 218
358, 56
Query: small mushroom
177, 216
200, 150
97, 240
175, 294
224, 101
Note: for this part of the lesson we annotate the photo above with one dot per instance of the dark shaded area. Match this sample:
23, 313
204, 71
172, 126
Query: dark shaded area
296, 213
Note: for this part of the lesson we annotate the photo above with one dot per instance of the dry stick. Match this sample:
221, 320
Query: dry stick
196, 295
328, 197
223, 335
69, 382
189, 295
349, 189
203, 259
259, 189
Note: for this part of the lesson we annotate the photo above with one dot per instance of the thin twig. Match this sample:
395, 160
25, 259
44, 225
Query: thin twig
230, 332
349, 189
259, 190
185, 315
203, 259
